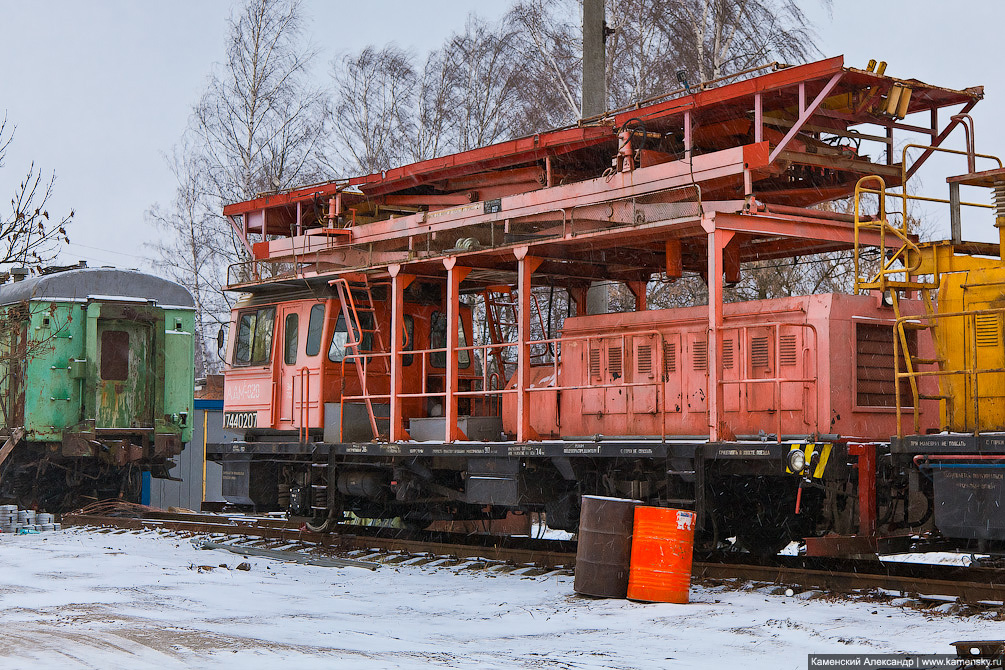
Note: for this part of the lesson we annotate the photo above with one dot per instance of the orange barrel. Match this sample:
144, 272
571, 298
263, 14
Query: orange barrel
604, 550
661, 555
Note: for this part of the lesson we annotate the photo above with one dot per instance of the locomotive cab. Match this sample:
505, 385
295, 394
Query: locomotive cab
300, 367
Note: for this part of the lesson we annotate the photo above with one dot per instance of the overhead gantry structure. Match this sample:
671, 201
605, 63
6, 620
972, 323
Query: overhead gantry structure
699, 181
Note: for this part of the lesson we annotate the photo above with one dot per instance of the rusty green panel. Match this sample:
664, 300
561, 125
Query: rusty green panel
103, 365
179, 370
52, 398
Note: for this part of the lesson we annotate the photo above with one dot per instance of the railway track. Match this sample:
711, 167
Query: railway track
970, 585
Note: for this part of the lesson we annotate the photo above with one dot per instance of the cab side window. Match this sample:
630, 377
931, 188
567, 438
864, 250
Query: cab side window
254, 336
315, 327
340, 338
438, 340
290, 338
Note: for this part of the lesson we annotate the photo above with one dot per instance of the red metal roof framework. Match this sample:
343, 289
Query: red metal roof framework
750, 152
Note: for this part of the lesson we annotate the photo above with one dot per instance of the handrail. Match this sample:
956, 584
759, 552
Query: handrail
658, 381
776, 381
908, 253
305, 400
970, 354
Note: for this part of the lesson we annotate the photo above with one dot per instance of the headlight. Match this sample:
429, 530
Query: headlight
797, 460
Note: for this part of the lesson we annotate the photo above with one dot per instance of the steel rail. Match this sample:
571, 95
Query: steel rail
492, 547
968, 584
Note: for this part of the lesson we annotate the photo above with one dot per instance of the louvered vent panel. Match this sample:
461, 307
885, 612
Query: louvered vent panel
988, 330
759, 352
669, 357
874, 366
614, 361
727, 354
644, 364
700, 355
787, 350
594, 362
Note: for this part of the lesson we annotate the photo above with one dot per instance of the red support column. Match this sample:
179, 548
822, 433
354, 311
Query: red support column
638, 289
674, 260
527, 265
866, 487
578, 296
455, 275
717, 241
399, 282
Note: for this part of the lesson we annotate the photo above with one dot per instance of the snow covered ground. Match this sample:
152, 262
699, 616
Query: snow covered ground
86, 599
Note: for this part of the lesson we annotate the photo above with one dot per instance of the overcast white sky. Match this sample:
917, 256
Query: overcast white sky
101, 90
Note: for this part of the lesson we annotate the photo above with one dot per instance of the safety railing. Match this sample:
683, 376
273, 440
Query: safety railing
490, 392
746, 381
908, 252
484, 401
969, 370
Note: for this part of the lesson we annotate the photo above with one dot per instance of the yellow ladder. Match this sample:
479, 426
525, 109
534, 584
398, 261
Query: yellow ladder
894, 276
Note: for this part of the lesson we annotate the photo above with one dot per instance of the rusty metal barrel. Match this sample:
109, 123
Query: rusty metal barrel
603, 554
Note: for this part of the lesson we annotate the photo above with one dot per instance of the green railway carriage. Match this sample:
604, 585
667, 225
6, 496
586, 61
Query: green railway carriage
96, 368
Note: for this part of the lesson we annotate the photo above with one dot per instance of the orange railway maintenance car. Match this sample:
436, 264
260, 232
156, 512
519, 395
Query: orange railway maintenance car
396, 351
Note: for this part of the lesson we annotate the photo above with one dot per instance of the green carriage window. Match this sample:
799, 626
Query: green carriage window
315, 329
438, 340
290, 338
254, 336
115, 355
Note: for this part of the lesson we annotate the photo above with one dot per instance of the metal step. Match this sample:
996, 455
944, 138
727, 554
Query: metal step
924, 361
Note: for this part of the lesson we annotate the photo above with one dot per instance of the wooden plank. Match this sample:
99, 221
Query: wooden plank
11, 442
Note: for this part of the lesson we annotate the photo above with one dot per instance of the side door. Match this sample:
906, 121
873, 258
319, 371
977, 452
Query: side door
250, 395
289, 404
125, 383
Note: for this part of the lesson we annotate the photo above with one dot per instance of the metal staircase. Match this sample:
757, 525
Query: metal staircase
365, 343
501, 318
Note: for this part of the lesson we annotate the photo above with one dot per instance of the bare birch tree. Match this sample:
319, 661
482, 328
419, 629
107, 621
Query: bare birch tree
371, 114
429, 131
386, 112
487, 77
650, 40
259, 120
718, 37
190, 254
255, 129
549, 42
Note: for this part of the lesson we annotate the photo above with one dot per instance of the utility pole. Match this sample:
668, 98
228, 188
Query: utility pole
594, 59
594, 103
